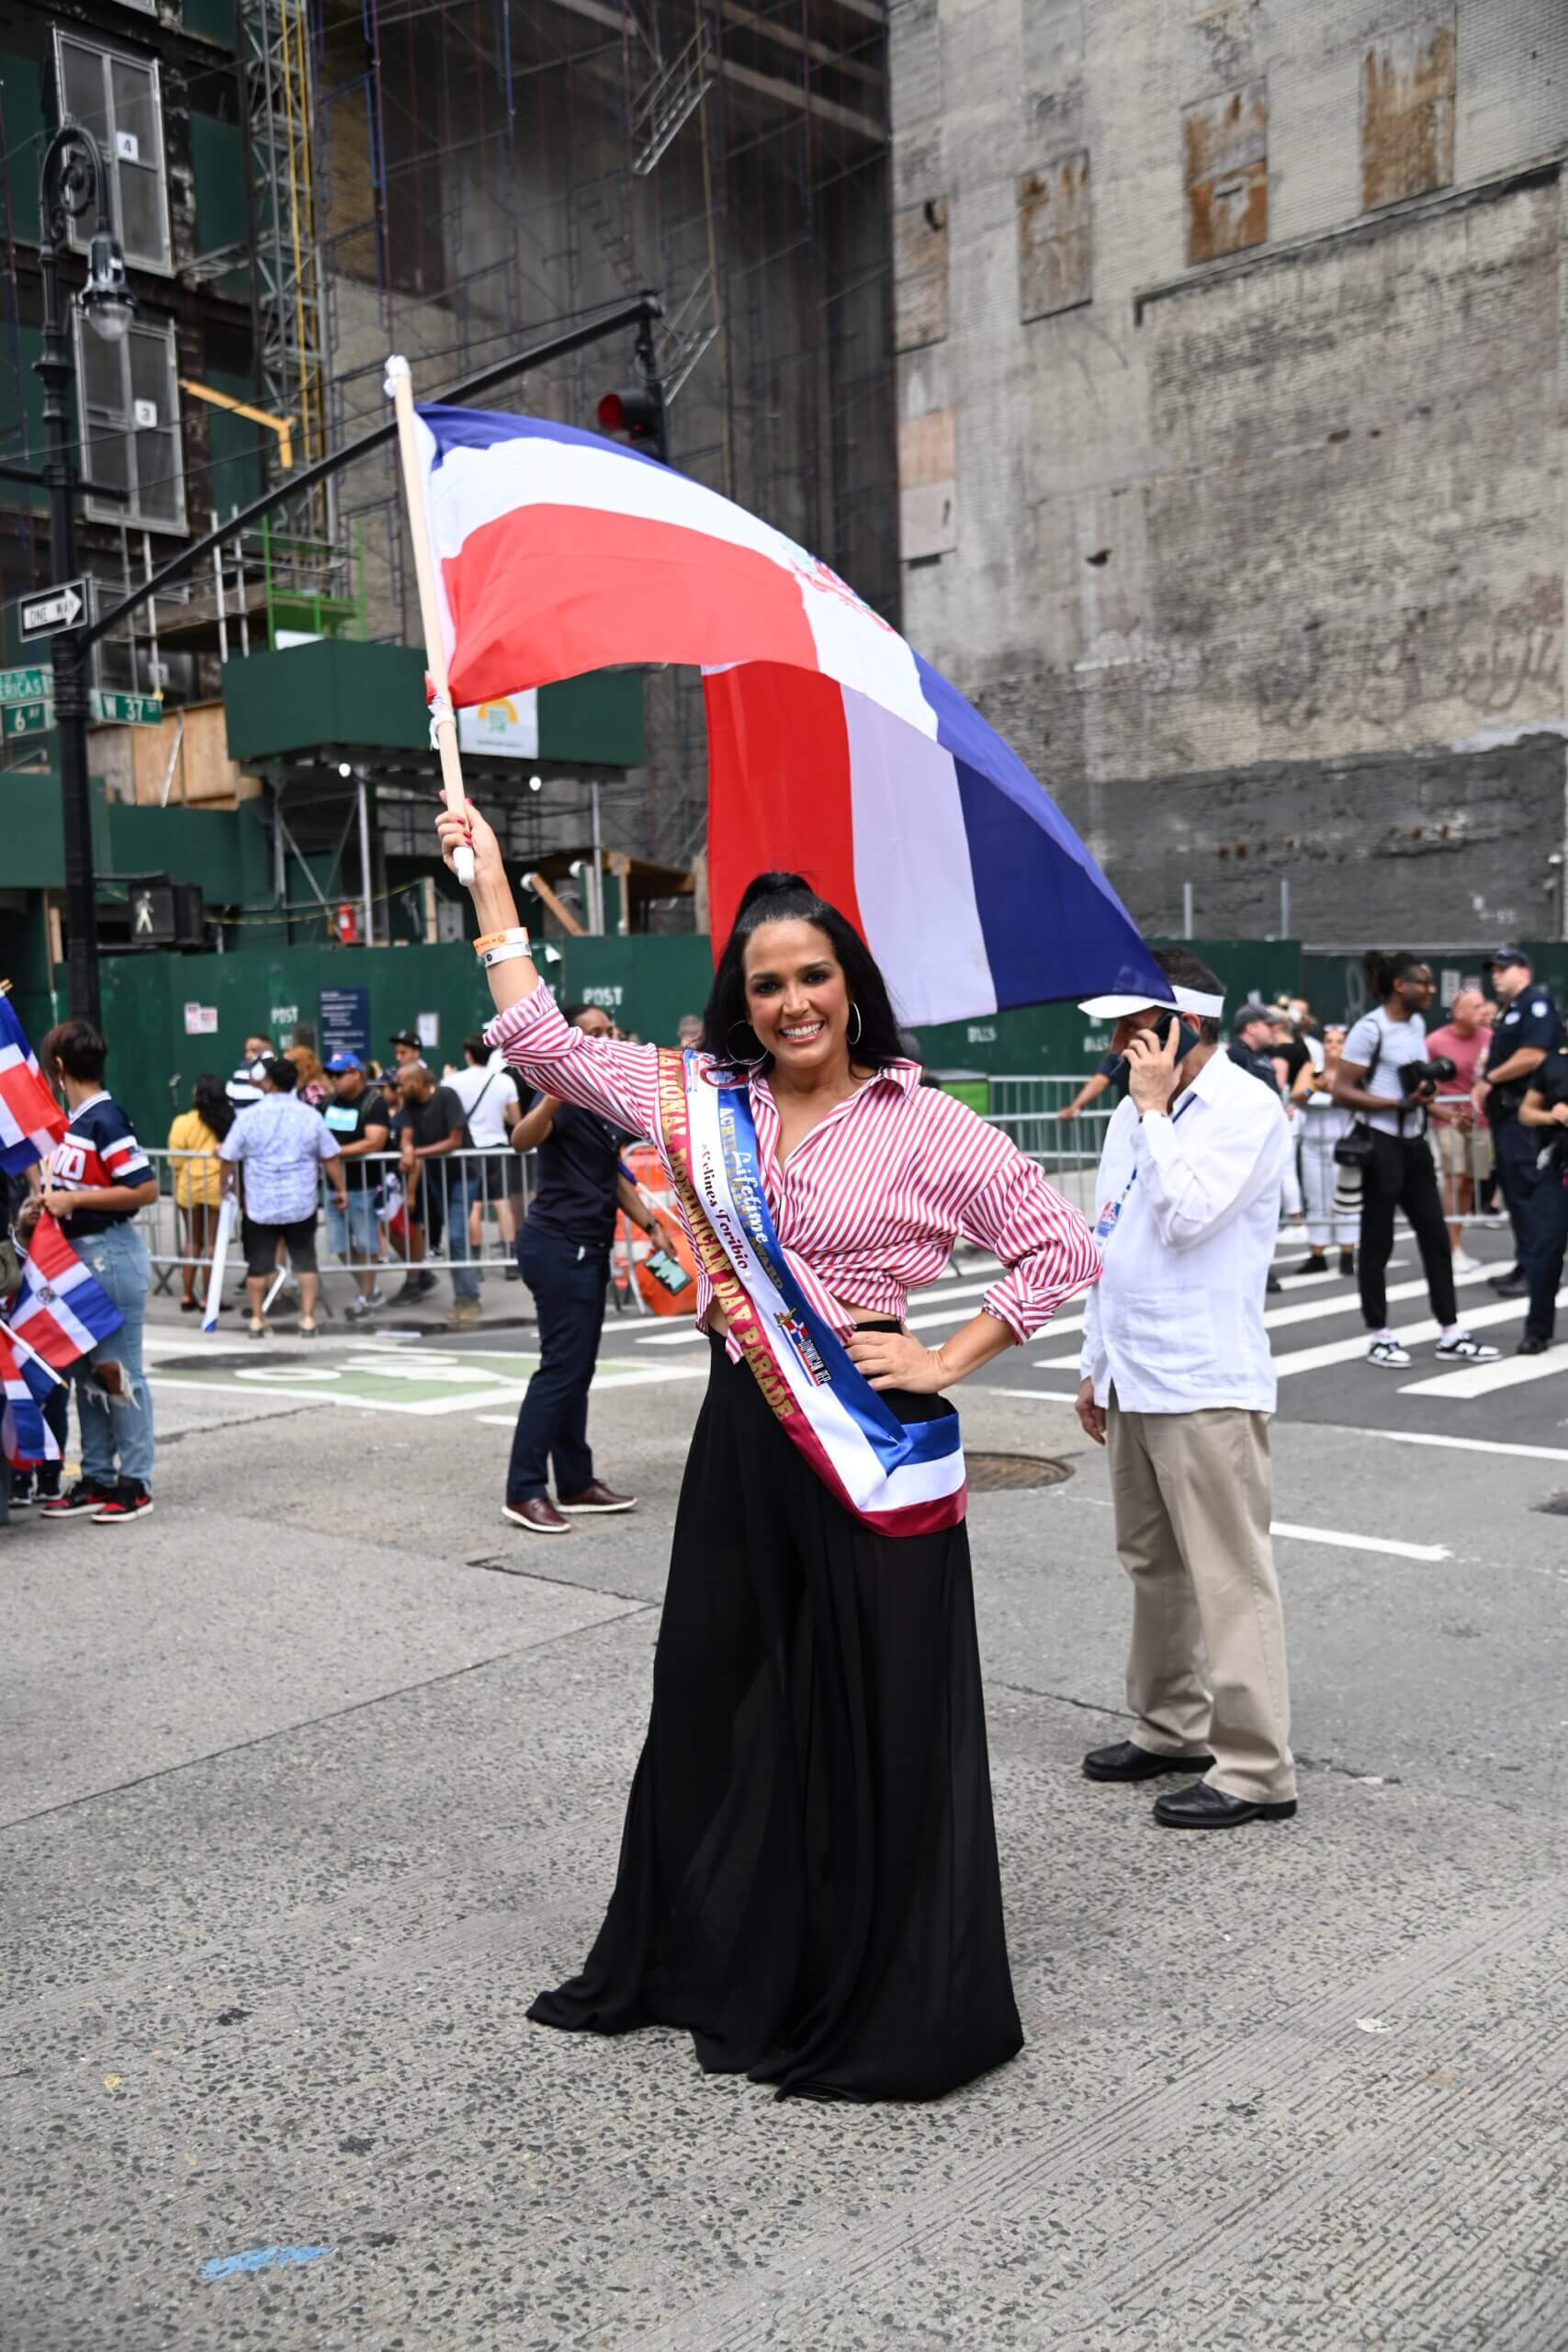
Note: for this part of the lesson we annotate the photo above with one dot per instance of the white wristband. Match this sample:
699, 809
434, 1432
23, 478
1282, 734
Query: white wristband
503, 955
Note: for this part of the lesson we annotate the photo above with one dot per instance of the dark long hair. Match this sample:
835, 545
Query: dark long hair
208, 1100
789, 898
1383, 969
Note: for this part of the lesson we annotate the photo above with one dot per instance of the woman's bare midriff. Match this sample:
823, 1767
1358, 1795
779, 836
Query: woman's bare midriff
718, 1322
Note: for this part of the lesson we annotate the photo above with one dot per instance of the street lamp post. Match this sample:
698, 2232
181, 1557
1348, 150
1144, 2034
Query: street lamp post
73, 182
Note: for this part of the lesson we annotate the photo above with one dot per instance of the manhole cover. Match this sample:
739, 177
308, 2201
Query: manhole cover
988, 1472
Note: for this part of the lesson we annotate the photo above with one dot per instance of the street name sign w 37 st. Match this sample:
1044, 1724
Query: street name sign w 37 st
56, 608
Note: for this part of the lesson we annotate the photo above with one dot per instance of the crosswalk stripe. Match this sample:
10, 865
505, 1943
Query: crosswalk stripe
1311, 1310
1407, 1334
1484, 1379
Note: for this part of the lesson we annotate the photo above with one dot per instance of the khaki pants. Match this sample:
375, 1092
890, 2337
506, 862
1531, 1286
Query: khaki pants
1193, 1496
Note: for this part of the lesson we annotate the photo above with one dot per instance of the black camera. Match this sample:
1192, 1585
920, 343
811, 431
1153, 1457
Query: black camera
1437, 1072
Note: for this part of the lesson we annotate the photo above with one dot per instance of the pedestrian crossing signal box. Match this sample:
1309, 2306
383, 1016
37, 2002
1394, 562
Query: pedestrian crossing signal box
165, 914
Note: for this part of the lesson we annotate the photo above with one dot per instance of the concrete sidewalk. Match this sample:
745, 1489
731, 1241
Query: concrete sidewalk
307, 1801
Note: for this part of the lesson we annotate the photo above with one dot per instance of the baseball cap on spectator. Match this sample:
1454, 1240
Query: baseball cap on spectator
340, 1062
1246, 1015
405, 1037
1506, 955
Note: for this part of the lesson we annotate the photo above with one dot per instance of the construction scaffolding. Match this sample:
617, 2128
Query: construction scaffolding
483, 173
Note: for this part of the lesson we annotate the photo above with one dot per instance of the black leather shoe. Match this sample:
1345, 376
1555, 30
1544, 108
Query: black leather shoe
1530, 1346
1125, 1762
1209, 1808
1511, 1285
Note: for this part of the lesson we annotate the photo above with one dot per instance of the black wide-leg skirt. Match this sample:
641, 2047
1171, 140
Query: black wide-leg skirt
807, 1878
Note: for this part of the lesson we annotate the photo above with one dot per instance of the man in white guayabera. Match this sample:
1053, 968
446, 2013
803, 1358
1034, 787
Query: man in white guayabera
1179, 1384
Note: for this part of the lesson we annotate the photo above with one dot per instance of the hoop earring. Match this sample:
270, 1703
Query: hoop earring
860, 1027
742, 1061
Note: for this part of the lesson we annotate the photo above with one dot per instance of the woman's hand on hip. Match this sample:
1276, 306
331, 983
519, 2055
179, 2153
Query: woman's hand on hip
892, 1359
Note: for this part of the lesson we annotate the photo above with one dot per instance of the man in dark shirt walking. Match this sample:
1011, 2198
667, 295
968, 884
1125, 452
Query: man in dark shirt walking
432, 1130
563, 1254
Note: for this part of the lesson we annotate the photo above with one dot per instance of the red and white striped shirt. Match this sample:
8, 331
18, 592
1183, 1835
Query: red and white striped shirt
868, 1205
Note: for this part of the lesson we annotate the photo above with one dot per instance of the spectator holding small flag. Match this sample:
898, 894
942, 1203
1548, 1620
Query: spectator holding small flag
97, 1179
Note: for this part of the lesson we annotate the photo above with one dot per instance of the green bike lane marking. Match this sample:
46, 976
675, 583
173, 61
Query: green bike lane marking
426, 1381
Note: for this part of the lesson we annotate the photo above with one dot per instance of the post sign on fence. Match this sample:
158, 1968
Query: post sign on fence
345, 1016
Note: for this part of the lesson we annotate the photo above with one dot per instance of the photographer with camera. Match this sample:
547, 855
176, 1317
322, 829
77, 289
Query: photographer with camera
1543, 1116
1388, 1142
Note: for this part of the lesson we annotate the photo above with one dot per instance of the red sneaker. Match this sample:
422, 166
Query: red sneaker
84, 1495
129, 1500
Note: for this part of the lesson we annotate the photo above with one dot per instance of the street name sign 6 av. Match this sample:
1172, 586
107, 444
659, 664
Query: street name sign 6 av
26, 718
58, 607
25, 685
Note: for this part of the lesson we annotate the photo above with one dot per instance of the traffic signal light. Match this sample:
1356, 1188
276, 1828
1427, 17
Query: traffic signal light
637, 413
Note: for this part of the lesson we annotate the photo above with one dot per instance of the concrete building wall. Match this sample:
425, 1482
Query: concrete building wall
1233, 383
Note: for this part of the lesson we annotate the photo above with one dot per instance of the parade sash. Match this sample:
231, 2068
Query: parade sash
899, 1479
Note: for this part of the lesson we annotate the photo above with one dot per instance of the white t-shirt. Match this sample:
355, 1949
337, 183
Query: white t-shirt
485, 1095
1401, 1042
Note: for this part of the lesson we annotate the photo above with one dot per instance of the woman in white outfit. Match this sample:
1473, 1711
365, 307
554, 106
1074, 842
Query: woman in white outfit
1332, 1192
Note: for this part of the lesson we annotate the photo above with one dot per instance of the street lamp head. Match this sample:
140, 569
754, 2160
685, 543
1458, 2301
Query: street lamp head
108, 303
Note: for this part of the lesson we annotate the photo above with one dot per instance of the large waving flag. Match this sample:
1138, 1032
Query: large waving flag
25, 1436
833, 747
62, 1309
31, 1121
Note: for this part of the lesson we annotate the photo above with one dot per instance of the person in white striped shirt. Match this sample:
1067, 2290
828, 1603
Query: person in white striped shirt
808, 1878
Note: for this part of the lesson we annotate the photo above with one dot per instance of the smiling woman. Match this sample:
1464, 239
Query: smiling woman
809, 1879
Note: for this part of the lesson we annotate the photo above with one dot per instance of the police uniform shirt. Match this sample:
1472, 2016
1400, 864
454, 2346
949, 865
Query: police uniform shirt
1531, 1020
1551, 1081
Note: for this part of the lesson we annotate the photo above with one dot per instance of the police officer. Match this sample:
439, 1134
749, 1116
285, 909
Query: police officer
1526, 1032
1543, 1115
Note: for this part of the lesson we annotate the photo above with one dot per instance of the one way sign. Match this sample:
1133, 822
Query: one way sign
57, 608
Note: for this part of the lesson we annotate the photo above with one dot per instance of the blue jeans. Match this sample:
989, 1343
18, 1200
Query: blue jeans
358, 1228
117, 1426
568, 1282
442, 1208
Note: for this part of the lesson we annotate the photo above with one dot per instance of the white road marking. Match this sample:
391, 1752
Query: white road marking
683, 1339
1347, 1350
1469, 1444
1362, 1542
1484, 1379
1311, 1310
1036, 1395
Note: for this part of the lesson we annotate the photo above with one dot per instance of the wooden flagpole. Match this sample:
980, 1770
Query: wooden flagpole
443, 718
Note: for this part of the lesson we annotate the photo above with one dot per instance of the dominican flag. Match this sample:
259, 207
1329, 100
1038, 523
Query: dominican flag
62, 1310
31, 1121
25, 1436
833, 749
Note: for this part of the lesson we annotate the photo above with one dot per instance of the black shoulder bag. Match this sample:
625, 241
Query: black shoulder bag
1355, 1148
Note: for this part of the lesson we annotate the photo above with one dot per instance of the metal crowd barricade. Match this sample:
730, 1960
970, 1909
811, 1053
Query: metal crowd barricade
464, 1207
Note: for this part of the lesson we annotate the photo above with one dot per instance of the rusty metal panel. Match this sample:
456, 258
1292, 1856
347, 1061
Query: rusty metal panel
919, 273
1226, 156
1055, 255
927, 489
1408, 112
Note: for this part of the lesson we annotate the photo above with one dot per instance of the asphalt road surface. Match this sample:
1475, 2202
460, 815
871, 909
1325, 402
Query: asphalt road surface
309, 1781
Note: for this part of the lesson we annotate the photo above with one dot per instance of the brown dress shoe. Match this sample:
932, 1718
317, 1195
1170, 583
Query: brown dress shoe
598, 1497
538, 1515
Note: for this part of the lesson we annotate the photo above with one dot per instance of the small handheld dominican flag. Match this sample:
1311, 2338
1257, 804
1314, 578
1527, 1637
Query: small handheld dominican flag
832, 747
62, 1310
31, 1121
25, 1436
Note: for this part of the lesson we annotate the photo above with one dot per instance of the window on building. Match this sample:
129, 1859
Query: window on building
117, 98
131, 426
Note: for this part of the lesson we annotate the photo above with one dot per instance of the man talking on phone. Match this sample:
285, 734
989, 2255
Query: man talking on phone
1178, 1383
